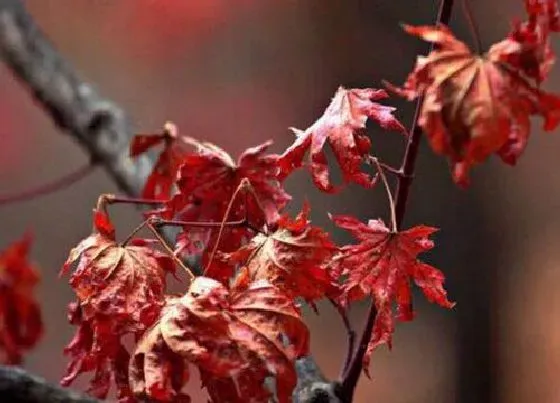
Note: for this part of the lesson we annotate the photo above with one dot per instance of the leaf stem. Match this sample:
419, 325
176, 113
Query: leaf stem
134, 232
350, 378
473, 27
51, 187
149, 223
113, 199
381, 173
391, 169
169, 250
242, 185
199, 224
351, 333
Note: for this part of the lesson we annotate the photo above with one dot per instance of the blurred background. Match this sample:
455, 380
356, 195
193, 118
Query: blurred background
239, 72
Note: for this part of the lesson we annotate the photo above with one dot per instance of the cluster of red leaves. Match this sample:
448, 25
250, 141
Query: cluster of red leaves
238, 324
236, 338
21, 325
475, 106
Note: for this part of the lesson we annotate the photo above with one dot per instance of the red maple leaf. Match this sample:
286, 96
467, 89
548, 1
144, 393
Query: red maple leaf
155, 371
237, 339
291, 258
342, 127
21, 325
212, 185
164, 173
126, 283
120, 291
474, 106
527, 47
209, 178
96, 347
381, 265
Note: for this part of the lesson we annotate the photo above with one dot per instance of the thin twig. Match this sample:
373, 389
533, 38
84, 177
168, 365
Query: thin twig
199, 224
473, 27
134, 232
149, 225
48, 188
242, 185
411, 151
113, 199
391, 169
381, 173
350, 332
403, 190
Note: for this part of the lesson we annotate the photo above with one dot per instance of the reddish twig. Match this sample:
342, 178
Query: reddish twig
113, 199
170, 251
411, 151
388, 168
199, 224
48, 188
473, 27
134, 231
149, 225
351, 333
350, 379
243, 185
381, 173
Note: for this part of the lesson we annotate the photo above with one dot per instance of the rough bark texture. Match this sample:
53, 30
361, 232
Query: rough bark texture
101, 127
16, 385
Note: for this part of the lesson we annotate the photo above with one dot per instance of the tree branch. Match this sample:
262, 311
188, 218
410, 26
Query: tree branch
103, 130
16, 385
403, 190
99, 125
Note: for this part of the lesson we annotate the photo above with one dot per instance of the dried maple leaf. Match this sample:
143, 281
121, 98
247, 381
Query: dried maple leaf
342, 127
164, 173
21, 325
473, 105
237, 339
209, 178
125, 283
292, 258
120, 291
156, 371
96, 347
527, 47
382, 265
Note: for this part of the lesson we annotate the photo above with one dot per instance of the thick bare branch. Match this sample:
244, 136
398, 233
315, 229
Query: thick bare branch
18, 386
98, 124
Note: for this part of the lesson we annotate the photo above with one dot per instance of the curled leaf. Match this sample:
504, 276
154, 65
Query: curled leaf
342, 127
164, 173
474, 106
236, 339
126, 283
209, 178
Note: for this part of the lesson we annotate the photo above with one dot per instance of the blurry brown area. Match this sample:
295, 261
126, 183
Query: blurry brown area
239, 72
